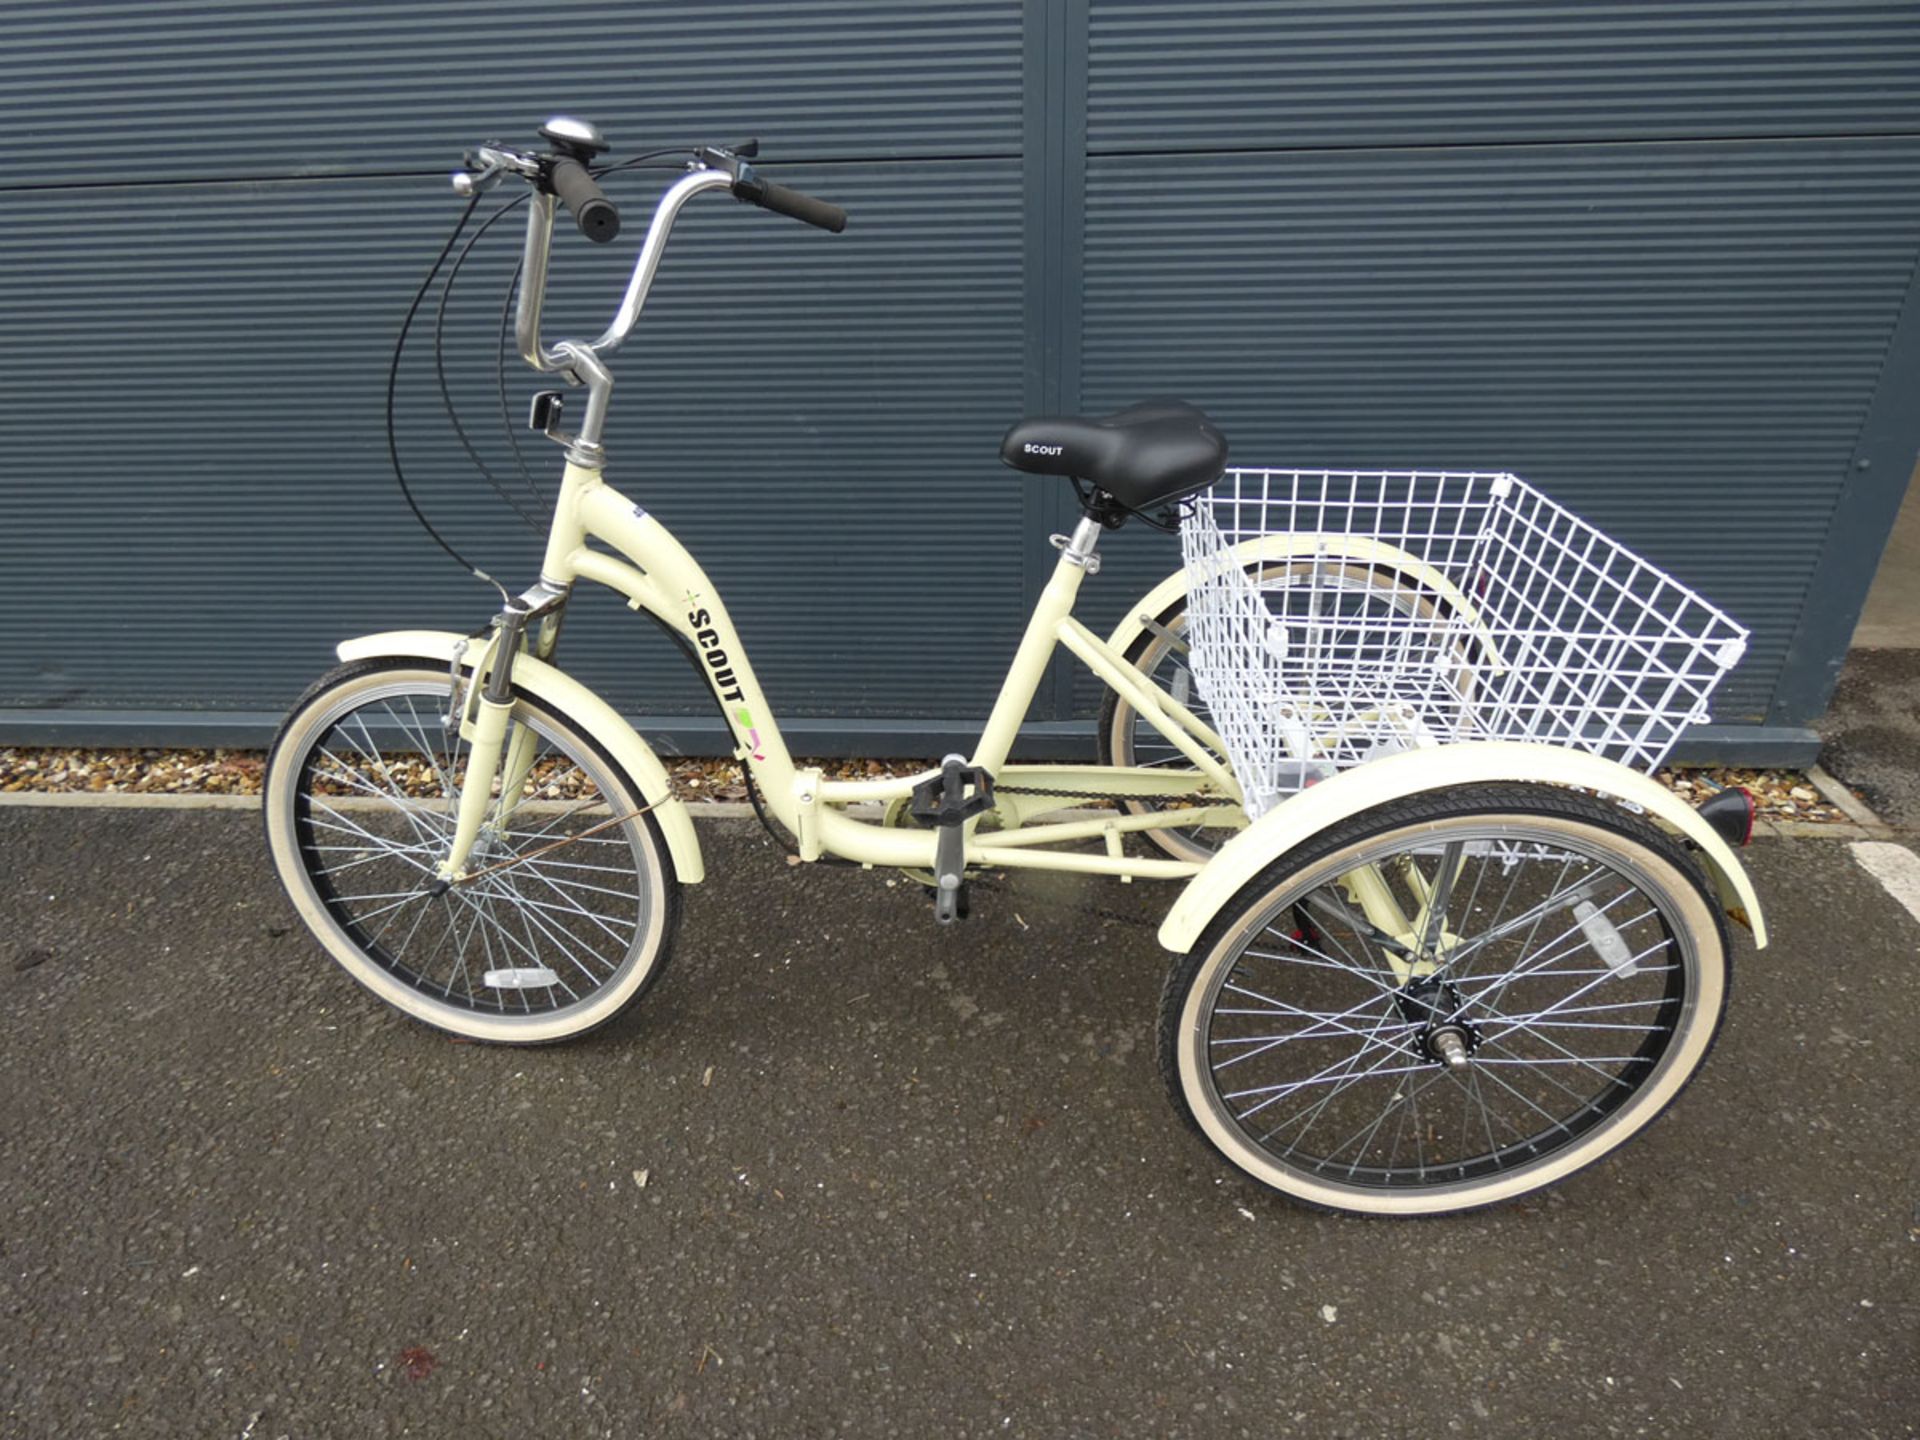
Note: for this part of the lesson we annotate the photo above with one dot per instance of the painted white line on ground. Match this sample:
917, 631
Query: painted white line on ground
1895, 867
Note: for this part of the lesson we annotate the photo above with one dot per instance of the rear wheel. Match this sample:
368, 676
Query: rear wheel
1571, 984
568, 910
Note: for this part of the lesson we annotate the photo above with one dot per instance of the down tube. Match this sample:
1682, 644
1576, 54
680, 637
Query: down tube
679, 592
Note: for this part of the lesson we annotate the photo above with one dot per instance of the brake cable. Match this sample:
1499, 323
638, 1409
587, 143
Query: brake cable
399, 351
446, 395
393, 384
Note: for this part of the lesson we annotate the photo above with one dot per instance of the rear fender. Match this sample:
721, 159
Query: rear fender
1411, 772
554, 687
1357, 548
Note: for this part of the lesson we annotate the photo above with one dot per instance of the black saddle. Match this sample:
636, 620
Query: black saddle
1147, 454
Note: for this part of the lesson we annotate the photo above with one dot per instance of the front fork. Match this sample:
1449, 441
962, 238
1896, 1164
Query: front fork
498, 745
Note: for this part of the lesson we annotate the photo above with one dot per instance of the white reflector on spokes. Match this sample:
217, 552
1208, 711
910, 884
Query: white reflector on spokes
1606, 939
527, 977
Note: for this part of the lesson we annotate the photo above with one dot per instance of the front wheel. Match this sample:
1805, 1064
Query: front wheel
568, 907
1448, 1001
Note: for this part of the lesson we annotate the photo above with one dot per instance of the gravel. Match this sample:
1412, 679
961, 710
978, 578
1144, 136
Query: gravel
1781, 794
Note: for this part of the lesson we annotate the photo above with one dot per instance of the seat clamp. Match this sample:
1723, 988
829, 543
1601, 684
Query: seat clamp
1087, 561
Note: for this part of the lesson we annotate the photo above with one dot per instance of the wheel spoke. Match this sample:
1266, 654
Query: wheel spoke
564, 942
1481, 999
418, 732
528, 947
407, 942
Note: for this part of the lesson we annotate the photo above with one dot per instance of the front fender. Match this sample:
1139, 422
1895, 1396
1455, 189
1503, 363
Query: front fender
1443, 767
580, 705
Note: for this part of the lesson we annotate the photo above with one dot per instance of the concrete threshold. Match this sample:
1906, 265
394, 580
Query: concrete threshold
123, 800
1862, 824
1848, 803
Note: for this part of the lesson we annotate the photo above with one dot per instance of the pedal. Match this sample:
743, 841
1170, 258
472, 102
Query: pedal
943, 801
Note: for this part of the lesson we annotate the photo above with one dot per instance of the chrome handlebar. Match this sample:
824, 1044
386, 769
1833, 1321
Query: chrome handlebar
709, 169
493, 164
658, 229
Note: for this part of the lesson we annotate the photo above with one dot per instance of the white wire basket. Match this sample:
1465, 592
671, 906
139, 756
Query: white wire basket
1338, 616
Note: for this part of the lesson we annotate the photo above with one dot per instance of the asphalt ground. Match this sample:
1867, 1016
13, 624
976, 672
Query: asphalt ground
1872, 732
899, 1182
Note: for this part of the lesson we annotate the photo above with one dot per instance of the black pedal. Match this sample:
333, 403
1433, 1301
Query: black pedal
942, 801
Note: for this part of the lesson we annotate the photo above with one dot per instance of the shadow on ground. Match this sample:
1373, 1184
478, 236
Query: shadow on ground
1872, 732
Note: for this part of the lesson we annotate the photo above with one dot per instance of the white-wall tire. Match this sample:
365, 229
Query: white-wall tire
1694, 995
635, 854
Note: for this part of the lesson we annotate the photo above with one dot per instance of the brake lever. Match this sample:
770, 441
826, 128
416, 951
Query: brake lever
468, 183
718, 157
487, 165
730, 158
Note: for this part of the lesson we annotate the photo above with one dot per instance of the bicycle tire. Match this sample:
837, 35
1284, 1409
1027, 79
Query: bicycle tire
557, 898
1676, 1010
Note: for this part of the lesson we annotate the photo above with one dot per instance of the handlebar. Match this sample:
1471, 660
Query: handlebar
651, 250
567, 178
783, 201
593, 212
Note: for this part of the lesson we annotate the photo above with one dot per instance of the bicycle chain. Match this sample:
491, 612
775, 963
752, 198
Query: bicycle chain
1101, 794
1100, 912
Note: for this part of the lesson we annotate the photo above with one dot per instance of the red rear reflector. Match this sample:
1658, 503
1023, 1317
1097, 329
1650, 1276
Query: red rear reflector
1730, 812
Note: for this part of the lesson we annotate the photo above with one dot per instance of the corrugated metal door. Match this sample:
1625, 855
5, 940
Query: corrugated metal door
1650, 257
1654, 258
215, 216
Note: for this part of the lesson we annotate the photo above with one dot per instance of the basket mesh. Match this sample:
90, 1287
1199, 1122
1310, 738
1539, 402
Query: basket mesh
1337, 616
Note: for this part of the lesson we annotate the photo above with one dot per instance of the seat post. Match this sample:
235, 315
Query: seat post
1054, 604
1080, 545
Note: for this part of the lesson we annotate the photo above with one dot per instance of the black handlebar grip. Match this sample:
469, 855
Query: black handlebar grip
593, 212
781, 200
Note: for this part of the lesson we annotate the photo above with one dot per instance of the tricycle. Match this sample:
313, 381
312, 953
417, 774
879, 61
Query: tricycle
1439, 941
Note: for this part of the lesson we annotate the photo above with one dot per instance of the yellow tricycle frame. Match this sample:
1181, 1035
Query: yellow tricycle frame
656, 574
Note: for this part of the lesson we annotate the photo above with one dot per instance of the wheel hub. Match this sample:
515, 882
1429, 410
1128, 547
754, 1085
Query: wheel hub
1448, 1045
1446, 1035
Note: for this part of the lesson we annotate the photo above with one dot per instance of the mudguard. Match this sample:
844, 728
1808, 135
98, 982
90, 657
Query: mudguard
1443, 767
580, 705
1358, 548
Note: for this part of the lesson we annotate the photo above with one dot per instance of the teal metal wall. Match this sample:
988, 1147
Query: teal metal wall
1659, 260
